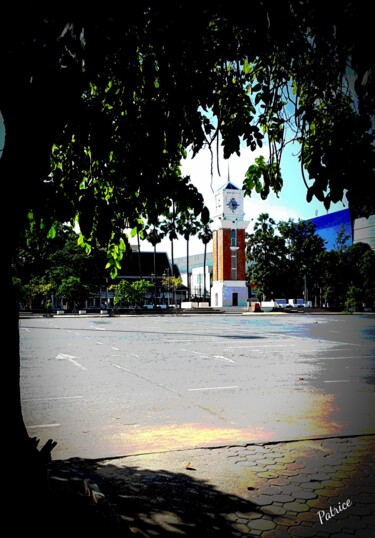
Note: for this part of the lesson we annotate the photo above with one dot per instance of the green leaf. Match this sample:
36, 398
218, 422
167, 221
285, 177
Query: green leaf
51, 233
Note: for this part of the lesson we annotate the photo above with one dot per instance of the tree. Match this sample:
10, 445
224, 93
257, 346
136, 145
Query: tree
35, 249
266, 254
117, 102
358, 263
205, 235
171, 283
169, 228
132, 293
283, 256
73, 291
342, 238
36, 292
304, 248
51, 262
347, 274
154, 234
188, 225
354, 297
330, 279
367, 272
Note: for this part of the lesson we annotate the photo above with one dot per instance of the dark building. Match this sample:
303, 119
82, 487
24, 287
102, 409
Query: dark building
146, 265
154, 267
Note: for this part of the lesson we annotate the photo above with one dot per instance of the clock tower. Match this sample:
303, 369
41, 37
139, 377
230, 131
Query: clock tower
229, 248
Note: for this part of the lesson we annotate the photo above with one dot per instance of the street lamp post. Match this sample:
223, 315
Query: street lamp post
169, 287
153, 279
167, 278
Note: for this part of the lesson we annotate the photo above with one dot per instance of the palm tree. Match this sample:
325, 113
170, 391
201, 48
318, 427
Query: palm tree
169, 228
205, 235
137, 228
154, 234
187, 225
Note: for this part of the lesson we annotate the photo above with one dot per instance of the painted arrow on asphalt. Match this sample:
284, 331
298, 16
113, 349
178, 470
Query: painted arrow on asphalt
70, 358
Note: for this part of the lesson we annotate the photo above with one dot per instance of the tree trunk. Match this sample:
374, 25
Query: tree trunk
27, 488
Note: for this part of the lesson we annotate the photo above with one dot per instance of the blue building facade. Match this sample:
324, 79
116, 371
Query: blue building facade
328, 226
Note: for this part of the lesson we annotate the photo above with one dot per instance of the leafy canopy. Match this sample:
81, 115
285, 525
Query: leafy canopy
283, 257
118, 97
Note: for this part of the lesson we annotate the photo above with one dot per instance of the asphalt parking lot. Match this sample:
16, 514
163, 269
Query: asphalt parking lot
109, 387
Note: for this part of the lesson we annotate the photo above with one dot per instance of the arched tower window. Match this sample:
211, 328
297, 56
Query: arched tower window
233, 254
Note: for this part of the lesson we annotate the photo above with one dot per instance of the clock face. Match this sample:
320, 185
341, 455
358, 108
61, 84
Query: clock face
233, 205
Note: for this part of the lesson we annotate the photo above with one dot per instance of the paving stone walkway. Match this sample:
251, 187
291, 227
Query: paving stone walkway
321, 487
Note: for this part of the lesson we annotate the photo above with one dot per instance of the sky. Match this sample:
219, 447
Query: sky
291, 202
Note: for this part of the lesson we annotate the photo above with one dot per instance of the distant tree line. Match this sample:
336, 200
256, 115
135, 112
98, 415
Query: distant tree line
56, 265
289, 259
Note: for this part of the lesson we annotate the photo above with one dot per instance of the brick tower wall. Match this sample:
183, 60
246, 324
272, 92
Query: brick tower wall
241, 255
225, 255
221, 255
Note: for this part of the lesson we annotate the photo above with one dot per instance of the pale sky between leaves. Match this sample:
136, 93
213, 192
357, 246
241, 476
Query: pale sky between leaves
291, 202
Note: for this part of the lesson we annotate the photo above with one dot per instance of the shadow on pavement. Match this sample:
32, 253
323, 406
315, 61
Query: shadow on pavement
141, 502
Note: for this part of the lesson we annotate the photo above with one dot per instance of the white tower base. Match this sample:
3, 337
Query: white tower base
229, 293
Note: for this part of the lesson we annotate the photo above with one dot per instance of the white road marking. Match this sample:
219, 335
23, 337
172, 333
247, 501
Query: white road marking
223, 358
64, 356
115, 348
70, 358
54, 398
203, 356
262, 347
77, 364
343, 349
341, 343
216, 388
121, 367
134, 355
44, 426
349, 357
337, 381
24, 328
99, 343
277, 345
100, 329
